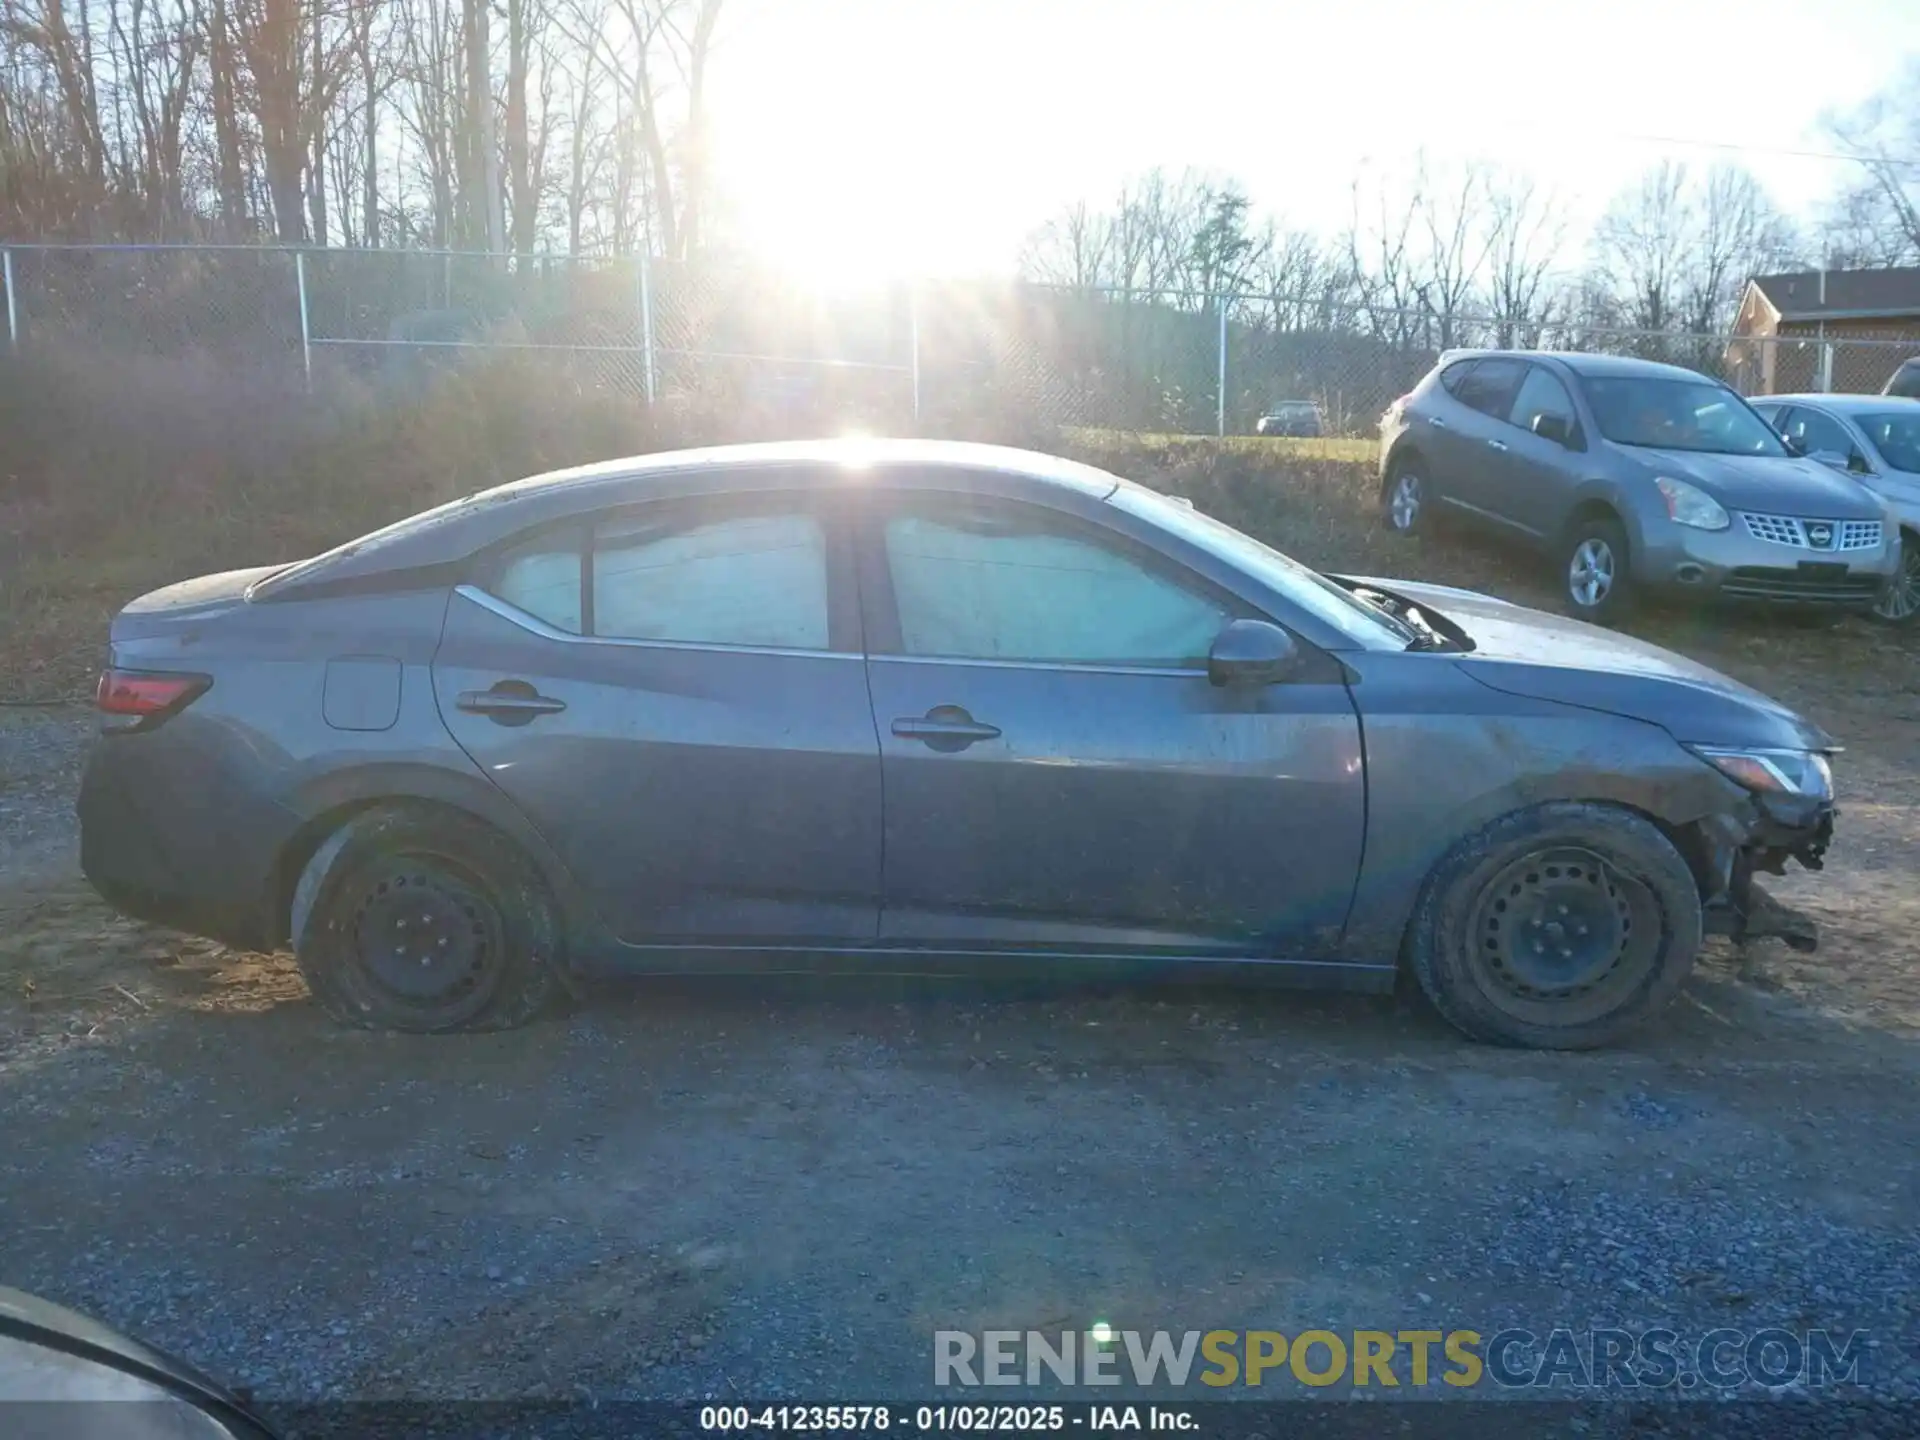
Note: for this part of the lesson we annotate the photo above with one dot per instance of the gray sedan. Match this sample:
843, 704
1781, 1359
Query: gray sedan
1632, 476
921, 707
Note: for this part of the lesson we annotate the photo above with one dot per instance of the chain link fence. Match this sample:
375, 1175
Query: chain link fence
934, 353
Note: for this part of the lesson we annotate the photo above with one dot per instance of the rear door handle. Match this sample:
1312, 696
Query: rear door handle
1436, 422
510, 702
1500, 445
946, 728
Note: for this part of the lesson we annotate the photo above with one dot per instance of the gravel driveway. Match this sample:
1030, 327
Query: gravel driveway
728, 1191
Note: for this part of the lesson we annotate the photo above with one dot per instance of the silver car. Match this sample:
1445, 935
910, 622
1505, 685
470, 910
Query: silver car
1876, 439
1633, 476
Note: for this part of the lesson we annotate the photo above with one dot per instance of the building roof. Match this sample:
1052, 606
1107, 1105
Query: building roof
1887, 294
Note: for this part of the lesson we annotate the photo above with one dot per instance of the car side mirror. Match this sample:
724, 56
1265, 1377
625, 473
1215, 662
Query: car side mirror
1857, 464
1252, 652
1557, 428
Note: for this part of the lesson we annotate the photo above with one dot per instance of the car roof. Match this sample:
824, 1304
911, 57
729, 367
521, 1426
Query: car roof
461, 527
1584, 363
1848, 404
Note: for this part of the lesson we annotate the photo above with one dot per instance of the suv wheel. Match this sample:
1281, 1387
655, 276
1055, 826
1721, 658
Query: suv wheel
1595, 575
1559, 927
1406, 498
1900, 601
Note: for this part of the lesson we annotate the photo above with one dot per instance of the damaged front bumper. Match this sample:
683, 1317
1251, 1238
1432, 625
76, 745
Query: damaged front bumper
1772, 830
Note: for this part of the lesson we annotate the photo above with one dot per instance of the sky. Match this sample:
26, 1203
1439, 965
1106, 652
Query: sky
871, 139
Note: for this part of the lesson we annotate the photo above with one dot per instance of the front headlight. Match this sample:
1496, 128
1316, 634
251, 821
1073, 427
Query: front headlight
1777, 772
1690, 505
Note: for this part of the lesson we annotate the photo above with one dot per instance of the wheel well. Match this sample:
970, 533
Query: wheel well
1401, 453
1589, 510
308, 839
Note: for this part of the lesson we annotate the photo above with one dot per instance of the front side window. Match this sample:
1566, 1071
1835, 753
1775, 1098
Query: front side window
1663, 414
979, 581
1897, 438
1541, 393
1817, 434
758, 579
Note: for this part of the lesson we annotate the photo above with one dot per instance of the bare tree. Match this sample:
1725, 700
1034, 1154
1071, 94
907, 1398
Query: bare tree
1674, 251
1525, 236
1073, 250
1877, 216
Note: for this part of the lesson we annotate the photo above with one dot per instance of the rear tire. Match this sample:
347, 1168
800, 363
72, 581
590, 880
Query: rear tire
1596, 580
419, 919
1560, 927
1406, 497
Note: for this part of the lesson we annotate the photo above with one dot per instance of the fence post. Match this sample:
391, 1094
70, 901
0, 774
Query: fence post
13, 308
306, 330
913, 341
1220, 416
646, 324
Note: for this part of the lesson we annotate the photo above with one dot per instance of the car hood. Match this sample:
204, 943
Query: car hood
1771, 484
1531, 653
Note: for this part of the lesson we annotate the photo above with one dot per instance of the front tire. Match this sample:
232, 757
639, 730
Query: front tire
1900, 601
1560, 927
1406, 498
417, 919
1596, 581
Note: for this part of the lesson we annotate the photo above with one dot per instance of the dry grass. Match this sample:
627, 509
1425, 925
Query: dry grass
1272, 448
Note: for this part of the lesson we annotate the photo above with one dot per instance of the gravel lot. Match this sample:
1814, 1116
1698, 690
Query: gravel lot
707, 1191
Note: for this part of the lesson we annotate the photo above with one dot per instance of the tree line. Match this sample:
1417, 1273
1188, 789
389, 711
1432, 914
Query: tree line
471, 124
1445, 254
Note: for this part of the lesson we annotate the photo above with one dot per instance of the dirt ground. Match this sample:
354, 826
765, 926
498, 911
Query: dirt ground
706, 1191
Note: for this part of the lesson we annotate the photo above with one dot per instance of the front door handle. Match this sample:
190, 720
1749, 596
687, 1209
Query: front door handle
1499, 445
510, 702
945, 728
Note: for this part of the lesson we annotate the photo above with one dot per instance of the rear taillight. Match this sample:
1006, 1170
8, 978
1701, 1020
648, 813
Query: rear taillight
146, 697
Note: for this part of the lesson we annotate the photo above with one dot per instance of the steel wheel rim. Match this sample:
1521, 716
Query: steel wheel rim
1563, 936
1902, 597
1406, 502
428, 942
1590, 572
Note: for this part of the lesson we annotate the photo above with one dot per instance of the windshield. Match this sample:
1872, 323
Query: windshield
1896, 437
1665, 414
1307, 588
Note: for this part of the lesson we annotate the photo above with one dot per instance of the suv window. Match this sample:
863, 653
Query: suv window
1489, 387
1817, 434
977, 580
1905, 381
754, 579
1541, 393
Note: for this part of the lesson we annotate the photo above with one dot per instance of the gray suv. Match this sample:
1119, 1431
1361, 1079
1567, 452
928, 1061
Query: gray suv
1633, 476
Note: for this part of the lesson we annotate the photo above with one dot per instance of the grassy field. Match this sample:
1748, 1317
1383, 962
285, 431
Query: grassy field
1330, 447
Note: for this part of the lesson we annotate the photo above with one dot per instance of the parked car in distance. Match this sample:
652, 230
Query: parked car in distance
1905, 380
1293, 417
921, 707
1876, 439
1633, 476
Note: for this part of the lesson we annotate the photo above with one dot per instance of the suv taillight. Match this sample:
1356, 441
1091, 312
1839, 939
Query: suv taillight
146, 697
